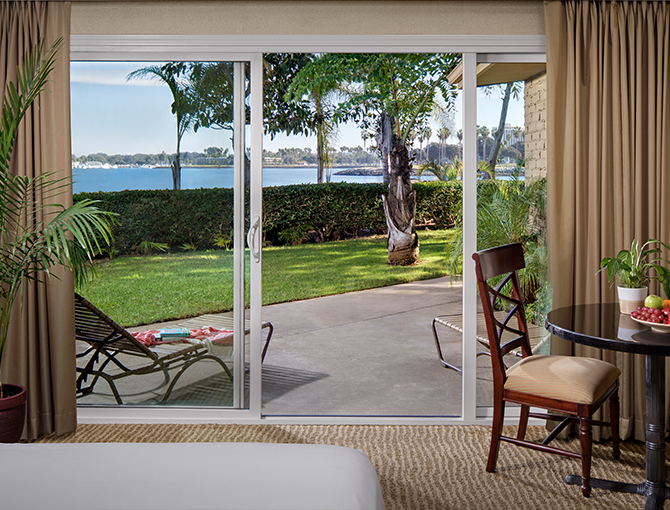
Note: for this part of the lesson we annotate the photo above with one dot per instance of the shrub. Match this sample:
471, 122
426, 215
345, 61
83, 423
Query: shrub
203, 218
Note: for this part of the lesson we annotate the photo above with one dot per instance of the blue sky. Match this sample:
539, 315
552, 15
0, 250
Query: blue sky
116, 116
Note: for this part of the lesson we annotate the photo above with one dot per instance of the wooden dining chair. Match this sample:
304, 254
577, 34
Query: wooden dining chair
573, 386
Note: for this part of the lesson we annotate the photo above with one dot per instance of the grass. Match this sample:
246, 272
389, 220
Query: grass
155, 288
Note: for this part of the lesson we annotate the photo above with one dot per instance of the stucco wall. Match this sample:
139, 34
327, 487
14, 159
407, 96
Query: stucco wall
535, 96
296, 17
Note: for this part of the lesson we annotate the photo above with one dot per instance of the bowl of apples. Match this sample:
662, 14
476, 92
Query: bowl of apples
655, 313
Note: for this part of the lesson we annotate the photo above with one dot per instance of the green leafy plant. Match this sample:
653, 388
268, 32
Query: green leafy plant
147, 247
295, 235
632, 267
36, 236
509, 212
223, 240
443, 171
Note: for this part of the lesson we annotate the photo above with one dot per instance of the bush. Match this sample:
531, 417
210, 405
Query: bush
322, 212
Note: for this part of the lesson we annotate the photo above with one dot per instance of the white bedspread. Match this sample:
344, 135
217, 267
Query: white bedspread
193, 476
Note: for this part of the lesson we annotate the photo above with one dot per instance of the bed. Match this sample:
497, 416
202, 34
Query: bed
179, 476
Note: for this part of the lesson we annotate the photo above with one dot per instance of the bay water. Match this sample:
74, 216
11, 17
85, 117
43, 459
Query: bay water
127, 178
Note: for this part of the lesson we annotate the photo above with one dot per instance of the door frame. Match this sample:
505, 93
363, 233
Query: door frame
251, 48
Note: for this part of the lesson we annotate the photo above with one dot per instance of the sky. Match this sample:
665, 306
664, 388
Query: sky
113, 115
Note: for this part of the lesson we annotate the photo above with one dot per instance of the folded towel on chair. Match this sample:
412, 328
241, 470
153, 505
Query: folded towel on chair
153, 336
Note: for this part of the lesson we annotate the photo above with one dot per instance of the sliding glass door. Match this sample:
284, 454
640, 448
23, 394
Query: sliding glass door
506, 194
173, 147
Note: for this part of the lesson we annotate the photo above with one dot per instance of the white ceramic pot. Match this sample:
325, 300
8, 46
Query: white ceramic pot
631, 299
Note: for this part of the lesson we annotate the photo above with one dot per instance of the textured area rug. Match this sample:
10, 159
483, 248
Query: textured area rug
425, 467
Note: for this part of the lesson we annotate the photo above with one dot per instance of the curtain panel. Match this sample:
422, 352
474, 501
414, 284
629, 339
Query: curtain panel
608, 76
40, 350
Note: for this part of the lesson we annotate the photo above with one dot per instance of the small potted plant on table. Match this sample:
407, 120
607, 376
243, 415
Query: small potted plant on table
631, 268
34, 237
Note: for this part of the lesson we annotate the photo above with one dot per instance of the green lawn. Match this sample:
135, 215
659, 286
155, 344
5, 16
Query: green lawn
155, 288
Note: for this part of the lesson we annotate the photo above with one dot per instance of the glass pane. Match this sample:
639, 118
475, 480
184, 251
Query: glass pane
511, 135
353, 333
153, 142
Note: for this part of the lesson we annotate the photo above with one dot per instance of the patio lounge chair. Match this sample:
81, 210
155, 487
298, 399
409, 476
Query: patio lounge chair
537, 335
107, 340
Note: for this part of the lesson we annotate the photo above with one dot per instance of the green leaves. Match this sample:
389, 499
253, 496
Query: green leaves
632, 267
404, 85
36, 232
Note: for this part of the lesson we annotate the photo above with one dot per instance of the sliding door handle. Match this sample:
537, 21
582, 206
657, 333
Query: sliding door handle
253, 240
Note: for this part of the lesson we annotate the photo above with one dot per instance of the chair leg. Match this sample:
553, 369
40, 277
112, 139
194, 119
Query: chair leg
439, 351
523, 422
496, 432
585, 439
614, 420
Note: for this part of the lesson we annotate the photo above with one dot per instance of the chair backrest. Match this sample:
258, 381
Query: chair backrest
501, 264
96, 328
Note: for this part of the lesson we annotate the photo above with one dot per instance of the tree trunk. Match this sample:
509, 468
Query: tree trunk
319, 155
493, 155
385, 141
176, 173
400, 208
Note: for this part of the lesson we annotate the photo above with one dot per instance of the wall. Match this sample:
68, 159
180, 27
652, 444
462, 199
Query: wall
535, 97
295, 17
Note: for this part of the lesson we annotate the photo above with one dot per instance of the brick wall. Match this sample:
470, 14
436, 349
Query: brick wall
535, 96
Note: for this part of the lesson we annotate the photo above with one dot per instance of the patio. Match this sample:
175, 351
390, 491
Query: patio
366, 353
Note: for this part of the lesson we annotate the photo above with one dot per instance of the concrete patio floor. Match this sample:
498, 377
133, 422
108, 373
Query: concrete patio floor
369, 352
365, 353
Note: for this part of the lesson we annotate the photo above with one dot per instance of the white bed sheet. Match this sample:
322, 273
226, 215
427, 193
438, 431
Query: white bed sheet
193, 476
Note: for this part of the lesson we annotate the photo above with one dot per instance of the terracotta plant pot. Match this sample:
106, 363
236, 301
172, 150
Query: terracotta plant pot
631, 299
12, 412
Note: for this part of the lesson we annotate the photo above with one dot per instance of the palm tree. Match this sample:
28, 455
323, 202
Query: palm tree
425, 134
483, 133
182, 107
326, 133
443, 134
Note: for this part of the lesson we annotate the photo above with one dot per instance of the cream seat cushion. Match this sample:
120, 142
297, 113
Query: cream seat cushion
576, 379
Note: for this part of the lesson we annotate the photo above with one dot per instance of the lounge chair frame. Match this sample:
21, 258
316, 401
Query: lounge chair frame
107, 340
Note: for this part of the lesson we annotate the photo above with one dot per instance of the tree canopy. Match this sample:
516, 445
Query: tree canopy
406, 86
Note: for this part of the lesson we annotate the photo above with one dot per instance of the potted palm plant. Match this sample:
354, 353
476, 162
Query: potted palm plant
35, 237
631, 269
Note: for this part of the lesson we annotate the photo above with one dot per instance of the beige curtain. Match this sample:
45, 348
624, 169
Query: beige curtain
608, 75
39, 353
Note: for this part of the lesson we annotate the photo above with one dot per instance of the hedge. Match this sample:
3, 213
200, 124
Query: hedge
320, 212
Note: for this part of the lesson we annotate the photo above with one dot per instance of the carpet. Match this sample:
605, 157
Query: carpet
425, 467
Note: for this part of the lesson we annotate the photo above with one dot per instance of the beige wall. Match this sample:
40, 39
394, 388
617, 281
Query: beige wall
535, 98
295, 17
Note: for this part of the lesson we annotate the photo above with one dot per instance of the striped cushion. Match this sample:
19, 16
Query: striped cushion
581, 380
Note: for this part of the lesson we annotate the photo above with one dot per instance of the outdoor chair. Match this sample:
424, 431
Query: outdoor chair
537, 336
573, 386
107, 340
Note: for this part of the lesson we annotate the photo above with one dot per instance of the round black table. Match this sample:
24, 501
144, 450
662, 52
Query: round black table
603, 326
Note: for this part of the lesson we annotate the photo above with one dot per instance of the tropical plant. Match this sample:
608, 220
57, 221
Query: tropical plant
509, 212
632, 267
147, 247
444, 172
172, 74
36, 236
